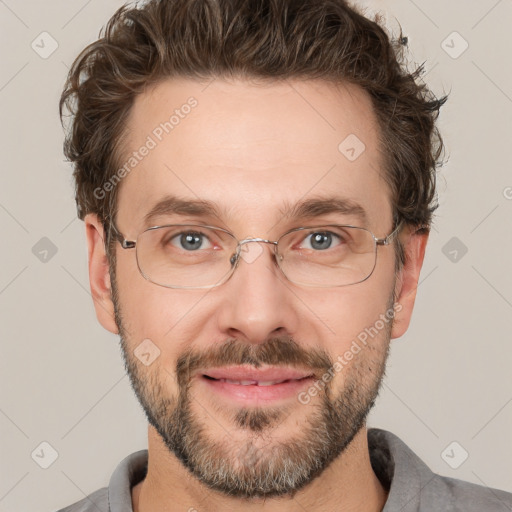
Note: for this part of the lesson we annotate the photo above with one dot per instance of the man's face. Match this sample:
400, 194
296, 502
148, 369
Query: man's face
252, 150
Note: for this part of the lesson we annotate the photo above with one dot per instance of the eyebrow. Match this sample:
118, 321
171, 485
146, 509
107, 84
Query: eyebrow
171, 204
305, 209
318, 206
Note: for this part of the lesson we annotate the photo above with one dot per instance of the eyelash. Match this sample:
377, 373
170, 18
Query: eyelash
205, 236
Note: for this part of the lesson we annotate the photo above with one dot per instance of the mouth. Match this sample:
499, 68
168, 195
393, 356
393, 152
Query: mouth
254, 382
247, 385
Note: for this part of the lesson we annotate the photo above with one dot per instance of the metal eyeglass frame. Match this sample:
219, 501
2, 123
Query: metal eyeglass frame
235, 259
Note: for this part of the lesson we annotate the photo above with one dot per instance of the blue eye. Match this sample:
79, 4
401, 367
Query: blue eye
189, 240
321, 240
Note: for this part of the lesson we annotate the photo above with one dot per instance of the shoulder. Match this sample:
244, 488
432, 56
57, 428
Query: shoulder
95, 502
117, 496
465, 496
412, 486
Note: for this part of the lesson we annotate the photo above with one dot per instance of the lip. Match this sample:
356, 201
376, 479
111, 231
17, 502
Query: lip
260, 375
295, 381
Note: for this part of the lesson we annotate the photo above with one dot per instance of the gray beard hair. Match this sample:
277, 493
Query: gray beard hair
259, 467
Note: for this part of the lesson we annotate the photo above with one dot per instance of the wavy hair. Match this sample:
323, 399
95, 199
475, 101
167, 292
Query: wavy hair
267, 39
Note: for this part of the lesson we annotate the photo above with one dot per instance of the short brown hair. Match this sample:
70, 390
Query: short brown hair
268, 39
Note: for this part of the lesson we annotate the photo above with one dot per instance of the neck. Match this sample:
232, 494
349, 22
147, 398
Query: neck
348, 484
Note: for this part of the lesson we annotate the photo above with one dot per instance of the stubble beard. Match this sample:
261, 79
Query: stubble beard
257, 466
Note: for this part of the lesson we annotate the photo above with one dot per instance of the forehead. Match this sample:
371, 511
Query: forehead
254, 150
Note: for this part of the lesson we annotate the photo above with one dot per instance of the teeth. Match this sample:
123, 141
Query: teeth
242, 382
252, 382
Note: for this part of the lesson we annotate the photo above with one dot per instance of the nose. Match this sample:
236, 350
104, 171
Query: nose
257, 300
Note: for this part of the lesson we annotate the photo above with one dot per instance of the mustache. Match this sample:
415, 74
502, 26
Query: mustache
277, 351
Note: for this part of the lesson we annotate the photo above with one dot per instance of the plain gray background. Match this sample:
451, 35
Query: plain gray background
63, 383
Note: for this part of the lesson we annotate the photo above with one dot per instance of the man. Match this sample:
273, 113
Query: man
257, 181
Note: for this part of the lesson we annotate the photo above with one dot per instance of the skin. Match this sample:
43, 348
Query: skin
249, 147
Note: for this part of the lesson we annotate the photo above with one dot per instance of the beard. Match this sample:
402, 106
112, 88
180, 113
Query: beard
254, 464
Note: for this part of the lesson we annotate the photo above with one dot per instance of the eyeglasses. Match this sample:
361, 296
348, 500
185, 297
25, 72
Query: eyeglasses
199, 256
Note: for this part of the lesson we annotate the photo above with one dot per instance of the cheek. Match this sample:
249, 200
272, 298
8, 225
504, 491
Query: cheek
349, 314
359, 346
165, 316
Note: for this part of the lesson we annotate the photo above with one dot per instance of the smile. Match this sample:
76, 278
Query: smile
252, 391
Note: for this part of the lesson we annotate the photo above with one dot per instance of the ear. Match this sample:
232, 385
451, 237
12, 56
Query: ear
99, 277
414, 243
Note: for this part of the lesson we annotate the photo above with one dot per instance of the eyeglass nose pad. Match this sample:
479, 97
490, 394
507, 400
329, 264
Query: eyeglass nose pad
235, 258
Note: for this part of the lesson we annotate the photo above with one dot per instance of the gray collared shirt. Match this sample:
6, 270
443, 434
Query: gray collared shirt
411, 485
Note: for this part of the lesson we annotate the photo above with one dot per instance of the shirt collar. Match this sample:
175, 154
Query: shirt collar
129, 472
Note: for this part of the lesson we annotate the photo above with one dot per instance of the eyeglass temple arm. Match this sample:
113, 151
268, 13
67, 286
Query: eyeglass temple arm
112, 230
387, 239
